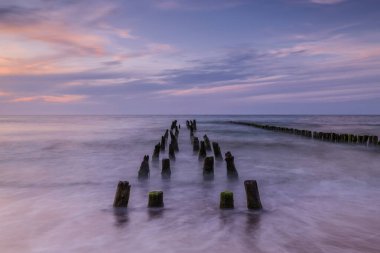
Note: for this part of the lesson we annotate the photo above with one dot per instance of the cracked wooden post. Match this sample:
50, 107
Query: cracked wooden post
217, 152
195, 144
171, 152
156, 152
207, 142
144, 168
156, 199
163, 144
166, 135
166, 172
208, 168
122, 194
202, 151
253, 196
226, 200
231, 169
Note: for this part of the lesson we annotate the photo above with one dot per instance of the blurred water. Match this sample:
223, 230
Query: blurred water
58, 176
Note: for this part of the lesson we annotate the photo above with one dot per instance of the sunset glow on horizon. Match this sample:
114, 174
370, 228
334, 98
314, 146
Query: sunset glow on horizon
190, 57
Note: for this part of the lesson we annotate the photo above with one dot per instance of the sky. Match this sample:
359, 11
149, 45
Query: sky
189, 57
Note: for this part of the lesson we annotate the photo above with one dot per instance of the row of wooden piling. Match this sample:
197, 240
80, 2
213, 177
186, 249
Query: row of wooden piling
144, 171
371, 140
156, 198
201, 147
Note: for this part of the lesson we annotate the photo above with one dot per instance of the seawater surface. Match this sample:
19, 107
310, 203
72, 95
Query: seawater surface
58, 176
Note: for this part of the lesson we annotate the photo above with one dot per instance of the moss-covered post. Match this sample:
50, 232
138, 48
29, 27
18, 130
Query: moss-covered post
207, 142
156, 199
208, 168
166, 172
195, 144
156, 152
122, 194
231, 169
253, 196
217, 152
226, 200
202, 151
144, 168
171, 152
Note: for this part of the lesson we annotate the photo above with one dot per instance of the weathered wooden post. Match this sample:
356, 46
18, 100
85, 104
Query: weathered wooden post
122, 194
166, 134
195, 144
231, 169
208, 168
144, 168
156, 152
226, 200
156, 199
253, 196
217, 152
202, 151
171, 152
207, 142
176, 132
166, 172
163, 144
195, 125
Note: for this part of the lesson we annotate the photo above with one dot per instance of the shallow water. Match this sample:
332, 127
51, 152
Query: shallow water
58, 177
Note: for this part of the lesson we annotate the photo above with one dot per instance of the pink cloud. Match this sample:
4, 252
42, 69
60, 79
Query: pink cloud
52, 99
327, 1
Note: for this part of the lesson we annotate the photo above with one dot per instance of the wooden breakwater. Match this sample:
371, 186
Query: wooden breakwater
369, 140
206, 151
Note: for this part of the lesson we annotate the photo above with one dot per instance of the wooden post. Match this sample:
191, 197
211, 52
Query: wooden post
144, 168
166, 172
208, 168
156, 199
163, 144
174, 141
202, 151
122, 194
231, 169
226, 200
195, 144
253, 196
217, 152
156, 152
207, 142
171, 152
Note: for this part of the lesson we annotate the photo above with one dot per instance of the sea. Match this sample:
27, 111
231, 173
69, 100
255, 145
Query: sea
58, 177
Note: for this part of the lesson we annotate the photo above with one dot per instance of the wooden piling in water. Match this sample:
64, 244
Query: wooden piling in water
207, 142
163, 143
253, 196
226, 200
217, 152
231, 169
156, 199
144, 168
202, 151
165, 171
208, 168
122, 194
195, 144
171, 152
156, 152
173, 141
